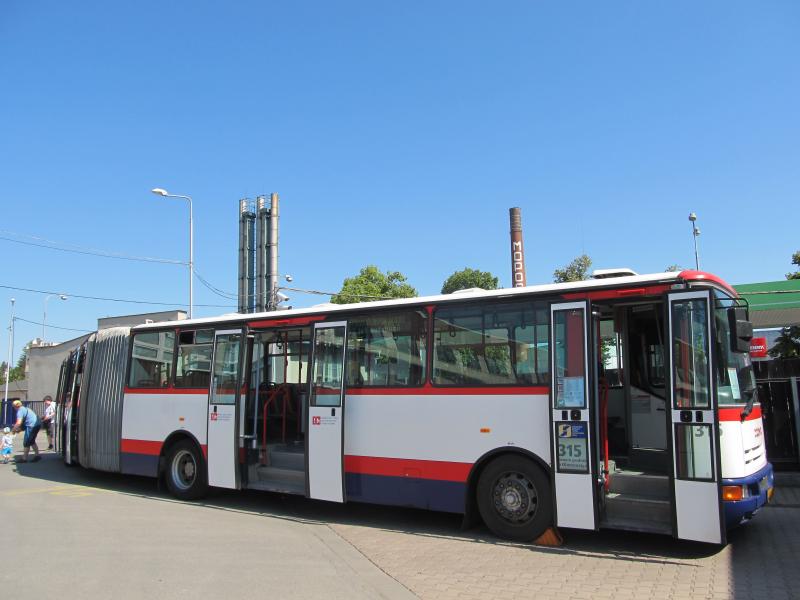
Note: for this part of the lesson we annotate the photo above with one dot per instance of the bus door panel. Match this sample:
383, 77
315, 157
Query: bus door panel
325, 426
223, 414
570, 419
694, 423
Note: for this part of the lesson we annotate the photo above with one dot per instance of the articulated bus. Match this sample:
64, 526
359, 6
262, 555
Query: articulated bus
623, 402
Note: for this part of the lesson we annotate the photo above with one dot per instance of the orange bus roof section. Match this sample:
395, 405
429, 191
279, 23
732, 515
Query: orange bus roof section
691, 275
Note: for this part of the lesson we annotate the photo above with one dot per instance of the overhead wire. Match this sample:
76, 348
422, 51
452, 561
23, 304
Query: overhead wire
53, 245
123, 300
49, 326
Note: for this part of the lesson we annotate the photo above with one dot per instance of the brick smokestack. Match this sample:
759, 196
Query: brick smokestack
517, 250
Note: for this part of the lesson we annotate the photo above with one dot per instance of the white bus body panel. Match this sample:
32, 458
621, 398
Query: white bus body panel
445, 427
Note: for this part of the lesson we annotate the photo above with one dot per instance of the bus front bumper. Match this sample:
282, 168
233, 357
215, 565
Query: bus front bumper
757, 491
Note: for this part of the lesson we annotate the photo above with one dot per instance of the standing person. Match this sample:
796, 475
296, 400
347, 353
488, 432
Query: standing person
7, 446
29, 421
49, 419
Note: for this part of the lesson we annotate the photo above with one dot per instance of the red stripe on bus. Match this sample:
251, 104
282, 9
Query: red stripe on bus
169, 391
141, 447
735, 414
404, 467
454, 391
651, 290
148, 447
284, 322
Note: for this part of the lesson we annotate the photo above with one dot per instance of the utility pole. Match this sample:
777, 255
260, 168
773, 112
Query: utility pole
695, 235
10, 351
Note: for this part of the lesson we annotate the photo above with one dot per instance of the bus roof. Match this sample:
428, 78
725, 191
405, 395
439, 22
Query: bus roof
633, 281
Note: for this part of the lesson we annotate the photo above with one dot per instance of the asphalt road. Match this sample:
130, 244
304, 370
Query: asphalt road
95, 535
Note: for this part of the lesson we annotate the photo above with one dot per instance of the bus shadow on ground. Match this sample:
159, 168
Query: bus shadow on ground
616, 545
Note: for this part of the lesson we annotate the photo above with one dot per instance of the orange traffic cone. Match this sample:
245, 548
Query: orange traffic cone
551, 537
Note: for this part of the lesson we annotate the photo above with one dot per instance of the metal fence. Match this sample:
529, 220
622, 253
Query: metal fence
8, 414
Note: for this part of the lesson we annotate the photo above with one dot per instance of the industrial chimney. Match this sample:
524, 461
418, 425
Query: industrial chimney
262, 215
272, 254
517, 250
247, 235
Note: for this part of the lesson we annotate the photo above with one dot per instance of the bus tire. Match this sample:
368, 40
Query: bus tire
514, 498
185, 471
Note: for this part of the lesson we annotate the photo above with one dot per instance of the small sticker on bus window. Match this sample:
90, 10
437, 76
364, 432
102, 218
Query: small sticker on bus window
734, 378
570, 392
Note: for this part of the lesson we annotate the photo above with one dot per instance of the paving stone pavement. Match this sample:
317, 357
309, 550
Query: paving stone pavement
434, 561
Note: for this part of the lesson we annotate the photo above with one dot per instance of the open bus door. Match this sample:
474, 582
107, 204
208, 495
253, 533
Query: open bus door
325, 427
571, 419
694, 421
223, 413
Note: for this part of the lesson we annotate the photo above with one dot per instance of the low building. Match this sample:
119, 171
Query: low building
774, 307
44, 362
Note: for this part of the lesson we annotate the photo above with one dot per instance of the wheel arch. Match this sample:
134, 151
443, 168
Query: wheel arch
471, 514
172, 439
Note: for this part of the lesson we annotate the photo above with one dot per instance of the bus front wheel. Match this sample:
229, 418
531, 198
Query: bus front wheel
514, 498
185, 471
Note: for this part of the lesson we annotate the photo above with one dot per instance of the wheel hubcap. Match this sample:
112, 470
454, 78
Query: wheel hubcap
515, 498
184, 470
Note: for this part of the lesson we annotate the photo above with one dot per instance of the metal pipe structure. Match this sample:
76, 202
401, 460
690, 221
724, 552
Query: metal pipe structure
272, 254
262, 217
246, 257
518, 278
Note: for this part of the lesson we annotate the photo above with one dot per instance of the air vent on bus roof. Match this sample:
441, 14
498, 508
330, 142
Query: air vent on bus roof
469, 290
608, 273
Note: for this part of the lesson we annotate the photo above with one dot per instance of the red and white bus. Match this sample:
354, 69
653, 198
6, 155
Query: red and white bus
625, 402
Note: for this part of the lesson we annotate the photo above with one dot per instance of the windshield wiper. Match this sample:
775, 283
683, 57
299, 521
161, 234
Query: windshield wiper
748, 408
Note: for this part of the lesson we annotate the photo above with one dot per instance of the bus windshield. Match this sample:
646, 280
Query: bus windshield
736, 382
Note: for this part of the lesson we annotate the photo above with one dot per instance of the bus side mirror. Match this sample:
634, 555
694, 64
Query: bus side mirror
741, 329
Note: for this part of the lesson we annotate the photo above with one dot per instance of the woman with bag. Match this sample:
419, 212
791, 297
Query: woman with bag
30, 422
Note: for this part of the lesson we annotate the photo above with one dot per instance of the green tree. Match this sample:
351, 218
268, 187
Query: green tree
371, 284
15, 373
577, 270
469, 278
795, 261
787, 344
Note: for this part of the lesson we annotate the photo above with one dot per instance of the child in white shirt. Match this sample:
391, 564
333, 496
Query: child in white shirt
7, 447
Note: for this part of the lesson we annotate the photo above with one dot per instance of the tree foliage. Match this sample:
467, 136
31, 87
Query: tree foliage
787, 344
15, 373
469, 278
796, 262
577, 270
371, 284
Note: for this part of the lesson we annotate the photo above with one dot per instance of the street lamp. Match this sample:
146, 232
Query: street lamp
165, 194
44, 316
695, 234
10, 350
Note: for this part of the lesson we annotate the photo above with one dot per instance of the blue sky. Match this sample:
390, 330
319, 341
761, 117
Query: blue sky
398, 134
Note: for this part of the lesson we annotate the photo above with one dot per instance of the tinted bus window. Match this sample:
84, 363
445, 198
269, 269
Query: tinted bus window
386, 349
151, 359
193, 367
491, 344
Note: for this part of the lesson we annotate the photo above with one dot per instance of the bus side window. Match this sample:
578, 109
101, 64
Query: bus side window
151, 359
193, 367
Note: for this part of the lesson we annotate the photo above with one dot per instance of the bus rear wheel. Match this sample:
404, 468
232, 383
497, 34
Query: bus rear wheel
185, 471
514, 498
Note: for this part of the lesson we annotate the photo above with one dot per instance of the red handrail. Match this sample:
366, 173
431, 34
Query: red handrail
604, 429
281, 389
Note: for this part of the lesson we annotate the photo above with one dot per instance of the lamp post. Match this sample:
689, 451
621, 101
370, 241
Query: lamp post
10, 350
44, 316
695, 234
165, 194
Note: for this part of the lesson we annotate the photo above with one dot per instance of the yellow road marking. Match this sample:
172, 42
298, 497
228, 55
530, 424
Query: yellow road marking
61, 490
